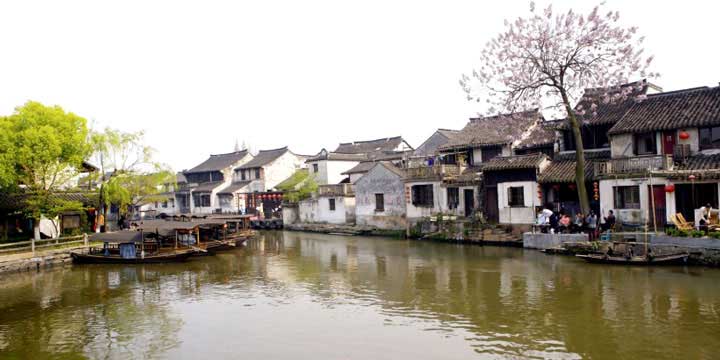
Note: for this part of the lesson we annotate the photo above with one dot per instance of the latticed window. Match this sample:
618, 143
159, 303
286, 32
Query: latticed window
516, 196
422, 195
627, 197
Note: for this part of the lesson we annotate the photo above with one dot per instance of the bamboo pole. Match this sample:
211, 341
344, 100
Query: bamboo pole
652, 204
176, 239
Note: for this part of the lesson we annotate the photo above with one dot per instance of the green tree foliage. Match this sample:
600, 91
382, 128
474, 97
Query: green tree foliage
128, 175
43, 147
7, 154
130, 189
304, 191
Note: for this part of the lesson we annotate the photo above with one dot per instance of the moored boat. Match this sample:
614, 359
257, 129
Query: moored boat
130, 247
668, 259
95, 258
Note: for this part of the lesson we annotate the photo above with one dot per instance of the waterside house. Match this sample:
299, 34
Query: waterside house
253, 181
665, 154
336, 166
199, 195
380, 197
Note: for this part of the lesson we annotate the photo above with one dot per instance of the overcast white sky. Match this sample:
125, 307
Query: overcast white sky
197, 75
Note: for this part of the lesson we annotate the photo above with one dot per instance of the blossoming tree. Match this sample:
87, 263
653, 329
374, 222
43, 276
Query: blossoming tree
546, 60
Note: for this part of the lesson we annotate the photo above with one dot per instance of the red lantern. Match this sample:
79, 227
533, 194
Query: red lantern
684, 135
572, 186
556, 187
669, 188
691, 177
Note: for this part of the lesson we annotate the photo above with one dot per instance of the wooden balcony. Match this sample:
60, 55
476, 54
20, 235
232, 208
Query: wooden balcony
634, 165
433, 172
336, 190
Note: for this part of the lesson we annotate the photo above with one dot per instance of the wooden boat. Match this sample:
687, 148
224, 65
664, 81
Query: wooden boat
669, 259
129, 247
99, 258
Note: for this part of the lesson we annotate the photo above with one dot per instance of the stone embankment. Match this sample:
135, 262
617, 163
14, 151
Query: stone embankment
344, 229
28, 262
489, 236
703, 251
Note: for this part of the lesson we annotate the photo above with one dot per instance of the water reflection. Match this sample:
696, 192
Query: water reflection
353, 297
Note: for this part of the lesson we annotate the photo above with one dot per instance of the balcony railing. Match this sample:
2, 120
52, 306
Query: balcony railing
436, 171
634, 165
336, 190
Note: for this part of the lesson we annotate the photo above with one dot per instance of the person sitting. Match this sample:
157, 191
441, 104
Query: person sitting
578, 223
704, 217
564, 223
554, 222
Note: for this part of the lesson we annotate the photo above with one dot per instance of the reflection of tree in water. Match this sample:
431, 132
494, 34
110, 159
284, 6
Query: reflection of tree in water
517, 303
86, 312
510, 302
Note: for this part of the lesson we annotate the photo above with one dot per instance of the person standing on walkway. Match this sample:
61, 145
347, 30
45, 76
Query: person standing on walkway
591, 221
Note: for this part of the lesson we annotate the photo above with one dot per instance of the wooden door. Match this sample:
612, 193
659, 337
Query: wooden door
668, 143
469, 195
658, 191
492, 213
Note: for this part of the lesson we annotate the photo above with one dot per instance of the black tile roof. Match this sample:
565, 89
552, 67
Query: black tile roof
334, 156
16, 201
207, 187
700, 162
218, 162
696, 107
263, 158
390, 166
232, 188
493, 130
360, 168
541, 135
370, 146
609, 112
589, 155
564, 172
531, 161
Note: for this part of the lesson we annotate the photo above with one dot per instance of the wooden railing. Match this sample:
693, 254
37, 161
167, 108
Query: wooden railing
33, 245
633, 165
336, 190
439, 170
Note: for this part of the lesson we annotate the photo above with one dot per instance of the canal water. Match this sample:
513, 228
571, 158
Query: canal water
309, 296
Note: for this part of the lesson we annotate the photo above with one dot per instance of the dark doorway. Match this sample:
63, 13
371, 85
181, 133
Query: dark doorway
469, 195
658, 195
668, 142
491, 204
689, 197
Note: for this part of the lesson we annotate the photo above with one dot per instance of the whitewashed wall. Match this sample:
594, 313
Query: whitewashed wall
439, 197
607, 197
317, 210
380, 180
517, 215
281, 169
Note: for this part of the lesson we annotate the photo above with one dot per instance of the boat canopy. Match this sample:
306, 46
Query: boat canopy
125, 236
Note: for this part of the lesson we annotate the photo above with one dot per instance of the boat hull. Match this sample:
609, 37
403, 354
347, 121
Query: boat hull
80, 258
673, 259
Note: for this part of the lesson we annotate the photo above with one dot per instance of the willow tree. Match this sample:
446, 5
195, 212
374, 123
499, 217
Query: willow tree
547, 60
128, 174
